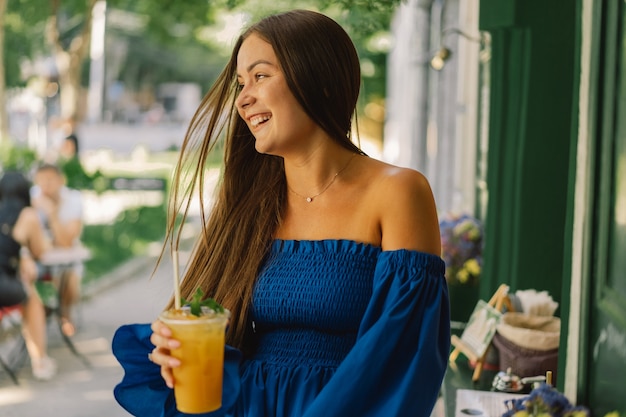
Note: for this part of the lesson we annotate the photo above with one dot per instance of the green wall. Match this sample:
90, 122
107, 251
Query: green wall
530, 134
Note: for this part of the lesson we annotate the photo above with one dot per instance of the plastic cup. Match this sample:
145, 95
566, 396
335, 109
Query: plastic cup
198, 379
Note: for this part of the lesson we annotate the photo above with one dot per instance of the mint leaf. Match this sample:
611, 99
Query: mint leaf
197, 303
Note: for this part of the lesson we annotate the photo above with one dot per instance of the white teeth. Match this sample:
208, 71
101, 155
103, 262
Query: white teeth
256, 120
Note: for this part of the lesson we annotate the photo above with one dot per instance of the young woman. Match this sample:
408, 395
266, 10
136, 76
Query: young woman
60, 209
22, 240
328, 259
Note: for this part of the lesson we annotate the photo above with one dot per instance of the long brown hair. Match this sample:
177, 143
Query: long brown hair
321, 68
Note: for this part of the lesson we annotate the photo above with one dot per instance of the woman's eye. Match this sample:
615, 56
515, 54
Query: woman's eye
259, 76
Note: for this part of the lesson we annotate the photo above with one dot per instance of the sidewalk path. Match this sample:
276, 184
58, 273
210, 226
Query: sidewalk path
78, 391
124, 138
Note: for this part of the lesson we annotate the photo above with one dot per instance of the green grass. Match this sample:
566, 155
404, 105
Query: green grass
128, 237
135, 229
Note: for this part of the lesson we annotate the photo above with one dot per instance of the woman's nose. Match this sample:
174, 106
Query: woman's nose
244, 99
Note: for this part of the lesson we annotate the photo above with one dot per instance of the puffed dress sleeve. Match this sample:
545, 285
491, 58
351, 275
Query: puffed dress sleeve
142, 391
398, 362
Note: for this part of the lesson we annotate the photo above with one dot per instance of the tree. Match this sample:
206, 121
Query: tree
37, 29
162, 45
70, 51
169, 23
4, 123
66, 28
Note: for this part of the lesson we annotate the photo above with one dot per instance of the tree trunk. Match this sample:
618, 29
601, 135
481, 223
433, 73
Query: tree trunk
70, 84
4, 120
69, 63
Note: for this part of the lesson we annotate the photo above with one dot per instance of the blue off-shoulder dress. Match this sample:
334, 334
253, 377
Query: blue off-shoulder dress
340, 329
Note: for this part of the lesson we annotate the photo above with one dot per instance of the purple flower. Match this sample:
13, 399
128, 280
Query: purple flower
545, 400
461, 241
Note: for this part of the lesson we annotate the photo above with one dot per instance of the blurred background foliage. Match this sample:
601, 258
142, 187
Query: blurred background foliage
16, 157
148, 43
170, 40
130, 235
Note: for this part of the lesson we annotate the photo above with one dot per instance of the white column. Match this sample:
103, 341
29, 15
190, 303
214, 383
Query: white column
407, 86
96, 69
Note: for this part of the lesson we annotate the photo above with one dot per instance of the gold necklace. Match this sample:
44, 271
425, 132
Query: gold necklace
311, 198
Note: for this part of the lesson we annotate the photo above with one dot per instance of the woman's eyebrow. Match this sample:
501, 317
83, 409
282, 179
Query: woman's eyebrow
255, 63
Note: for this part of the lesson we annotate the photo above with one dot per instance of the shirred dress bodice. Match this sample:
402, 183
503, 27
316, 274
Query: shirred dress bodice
309, 300
340, 328
315, 284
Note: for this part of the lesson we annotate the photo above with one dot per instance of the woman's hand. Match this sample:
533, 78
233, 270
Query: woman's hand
161, 338
45, 204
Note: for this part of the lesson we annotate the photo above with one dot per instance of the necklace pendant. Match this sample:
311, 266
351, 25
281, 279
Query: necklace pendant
309, 199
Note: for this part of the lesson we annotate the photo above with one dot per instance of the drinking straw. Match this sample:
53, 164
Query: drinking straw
176, 281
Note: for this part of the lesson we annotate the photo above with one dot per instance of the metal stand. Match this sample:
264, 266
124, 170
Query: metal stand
55, 310
19, 349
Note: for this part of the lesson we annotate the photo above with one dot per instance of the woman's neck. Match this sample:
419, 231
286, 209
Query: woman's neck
314, 173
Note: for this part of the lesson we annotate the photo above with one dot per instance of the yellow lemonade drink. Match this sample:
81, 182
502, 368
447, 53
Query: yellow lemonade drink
198, 380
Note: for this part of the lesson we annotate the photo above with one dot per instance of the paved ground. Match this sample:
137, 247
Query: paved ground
124, 138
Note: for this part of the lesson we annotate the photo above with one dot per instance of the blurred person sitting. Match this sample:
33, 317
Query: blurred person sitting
69, 147
22, 242
61, 211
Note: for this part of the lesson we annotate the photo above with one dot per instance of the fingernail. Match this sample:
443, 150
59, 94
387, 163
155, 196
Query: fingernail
173, 363
173, 344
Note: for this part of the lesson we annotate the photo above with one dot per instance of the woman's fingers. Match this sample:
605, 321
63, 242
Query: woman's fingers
167, 375
161, 355
166, 362
159, 327
162, 336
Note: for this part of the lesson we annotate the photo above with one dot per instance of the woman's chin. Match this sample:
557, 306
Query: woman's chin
262, 147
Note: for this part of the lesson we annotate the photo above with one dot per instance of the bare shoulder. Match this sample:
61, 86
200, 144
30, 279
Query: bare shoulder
394, 178
406, 208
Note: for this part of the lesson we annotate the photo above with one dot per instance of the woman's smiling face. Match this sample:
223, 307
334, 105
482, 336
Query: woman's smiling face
266, 103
